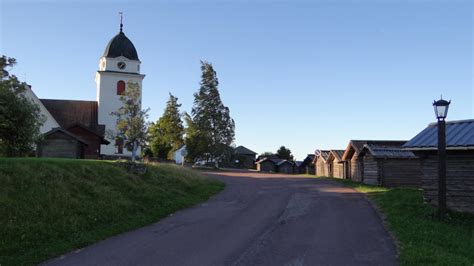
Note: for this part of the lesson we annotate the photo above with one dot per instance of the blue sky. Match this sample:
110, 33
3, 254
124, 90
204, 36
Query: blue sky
304, 74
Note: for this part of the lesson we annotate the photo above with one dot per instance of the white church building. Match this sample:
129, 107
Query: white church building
77, 129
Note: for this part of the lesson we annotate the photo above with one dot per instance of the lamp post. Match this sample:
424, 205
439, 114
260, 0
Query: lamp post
441, 110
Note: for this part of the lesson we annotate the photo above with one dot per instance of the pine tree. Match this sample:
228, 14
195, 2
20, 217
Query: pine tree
284, 153
166, 135
213, 128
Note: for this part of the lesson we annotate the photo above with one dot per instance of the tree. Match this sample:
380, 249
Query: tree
284, 153
20, 118
195, 141
131, 125
211, 129
267, 153
166, 135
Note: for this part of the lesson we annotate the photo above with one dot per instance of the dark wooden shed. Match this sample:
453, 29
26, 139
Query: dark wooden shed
244, 157
354, 164
306, 166
459, 168
61, 144
266, 165
335, 164
390, 166
80, 118
276, 165
94, 140
285, 167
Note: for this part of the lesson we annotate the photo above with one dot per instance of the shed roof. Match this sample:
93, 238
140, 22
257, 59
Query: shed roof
323, 154
385, 152
336, 154
355, 146
459, 136
65, 132
280, 162
243, 150
93, 132
274, 161
308, 160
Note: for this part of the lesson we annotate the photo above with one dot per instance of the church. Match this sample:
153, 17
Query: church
80, 129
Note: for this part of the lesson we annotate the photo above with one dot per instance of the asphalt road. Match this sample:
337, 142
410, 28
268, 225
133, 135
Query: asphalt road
259, 219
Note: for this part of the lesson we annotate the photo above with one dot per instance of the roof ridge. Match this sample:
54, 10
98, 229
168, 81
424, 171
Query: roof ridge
453, 122
68, 100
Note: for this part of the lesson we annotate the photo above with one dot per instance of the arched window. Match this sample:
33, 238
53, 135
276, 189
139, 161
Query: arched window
120, 87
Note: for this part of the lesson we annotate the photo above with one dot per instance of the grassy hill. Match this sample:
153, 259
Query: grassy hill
52, 206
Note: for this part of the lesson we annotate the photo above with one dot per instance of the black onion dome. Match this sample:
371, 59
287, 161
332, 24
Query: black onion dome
120, 45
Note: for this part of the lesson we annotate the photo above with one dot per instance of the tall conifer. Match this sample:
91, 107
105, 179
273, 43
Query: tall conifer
166, 135
213, 128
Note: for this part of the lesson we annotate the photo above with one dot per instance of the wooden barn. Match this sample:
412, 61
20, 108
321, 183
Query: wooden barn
306, 166
243, 157
77, 120
335, 164
94, 140
353, 163
320, 164
459, 168
61, 143
266, 165
390, 166
285, 167
276, 165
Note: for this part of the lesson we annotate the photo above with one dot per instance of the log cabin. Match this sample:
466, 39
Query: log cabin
285, 167
354, 164
335, 164
266, 165
390, 166
77, 119
275, 165
61, 143
243, 157
320, 164
459, 163
307, 166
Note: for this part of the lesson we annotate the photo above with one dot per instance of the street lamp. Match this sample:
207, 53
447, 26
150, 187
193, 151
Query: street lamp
441, 110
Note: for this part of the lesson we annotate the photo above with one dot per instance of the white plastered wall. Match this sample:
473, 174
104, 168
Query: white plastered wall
108, 101
50, 122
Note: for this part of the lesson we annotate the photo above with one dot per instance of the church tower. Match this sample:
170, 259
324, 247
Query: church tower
118, 66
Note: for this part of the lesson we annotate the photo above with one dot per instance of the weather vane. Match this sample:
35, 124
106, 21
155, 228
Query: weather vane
121, 18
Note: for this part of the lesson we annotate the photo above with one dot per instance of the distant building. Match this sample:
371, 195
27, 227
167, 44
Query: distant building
459, 168
276, 165
266, 165
180, 154
306, 166
285, 167
335, 164
243, 157
320, 163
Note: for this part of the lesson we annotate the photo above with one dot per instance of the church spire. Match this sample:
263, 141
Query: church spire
121, 18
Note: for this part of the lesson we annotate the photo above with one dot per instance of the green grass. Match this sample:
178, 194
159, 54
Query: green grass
423, 239
51, 206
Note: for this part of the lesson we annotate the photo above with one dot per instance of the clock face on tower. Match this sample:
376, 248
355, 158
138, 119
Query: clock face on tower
121, 65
